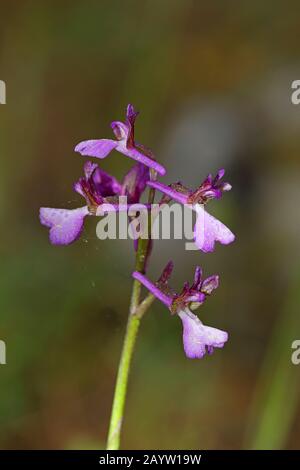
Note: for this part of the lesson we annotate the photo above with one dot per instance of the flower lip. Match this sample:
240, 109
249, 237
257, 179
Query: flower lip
65, 224
208, 230
199, 339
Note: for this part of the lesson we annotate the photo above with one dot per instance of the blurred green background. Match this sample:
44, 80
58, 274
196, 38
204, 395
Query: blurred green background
213, 83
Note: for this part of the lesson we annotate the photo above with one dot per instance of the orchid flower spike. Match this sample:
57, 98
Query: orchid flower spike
124, 144
100, 190
208, 229
198, 339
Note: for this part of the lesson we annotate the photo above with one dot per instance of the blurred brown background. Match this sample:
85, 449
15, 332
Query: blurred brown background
213, 83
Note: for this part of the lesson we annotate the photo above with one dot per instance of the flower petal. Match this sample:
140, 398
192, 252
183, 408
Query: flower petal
65, 225
209, 284
134, 182
198, 338
131, 116
133, 153
89, 168
120, 130
219, 175
197, 278
96, 148
78, 187
104, 183
208, 230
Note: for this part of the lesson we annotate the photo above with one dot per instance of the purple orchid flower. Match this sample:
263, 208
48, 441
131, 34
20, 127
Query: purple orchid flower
207, 228
124, 144
198, 339
100, 190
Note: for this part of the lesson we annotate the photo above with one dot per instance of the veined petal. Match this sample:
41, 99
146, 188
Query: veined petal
208, 230
65, 224
134, 182
96, 148
198, 338
104, 183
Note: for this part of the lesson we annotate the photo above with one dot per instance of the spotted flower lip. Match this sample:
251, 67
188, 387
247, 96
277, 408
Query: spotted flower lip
198, 339
124, 143
65, 224
100, 191
208, 229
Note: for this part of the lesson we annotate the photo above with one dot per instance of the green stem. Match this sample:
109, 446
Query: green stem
136, 312
113, 441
